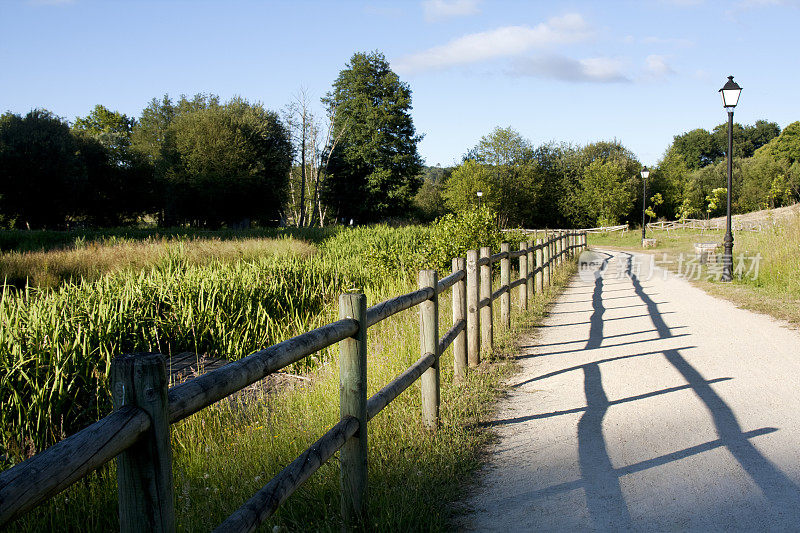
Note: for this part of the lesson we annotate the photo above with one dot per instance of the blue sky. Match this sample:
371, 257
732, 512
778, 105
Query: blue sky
574, 71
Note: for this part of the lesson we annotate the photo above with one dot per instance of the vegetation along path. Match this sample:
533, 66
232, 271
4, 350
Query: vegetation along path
646, 404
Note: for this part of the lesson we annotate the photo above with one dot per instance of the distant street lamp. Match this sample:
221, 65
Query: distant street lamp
645, 174
730, 97
480, 204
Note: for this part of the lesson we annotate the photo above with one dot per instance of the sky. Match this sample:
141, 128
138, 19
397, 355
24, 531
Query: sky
569, 71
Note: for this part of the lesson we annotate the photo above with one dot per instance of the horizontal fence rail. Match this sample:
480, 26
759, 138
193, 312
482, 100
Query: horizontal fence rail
139, 436
705, 225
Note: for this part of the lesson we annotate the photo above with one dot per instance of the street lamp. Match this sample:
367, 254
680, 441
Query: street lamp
730, 97
645, 174
480, 204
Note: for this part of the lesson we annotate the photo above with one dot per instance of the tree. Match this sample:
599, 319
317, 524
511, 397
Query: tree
605, 192
601, 181
309, 170
228, 163
374, 169
111, 128
503, 166
746, 139
697, 148
119, 184
40, 174
785, 146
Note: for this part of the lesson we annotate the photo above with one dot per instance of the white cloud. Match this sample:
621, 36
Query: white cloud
594, 69
443, 9
501, 42
657, 65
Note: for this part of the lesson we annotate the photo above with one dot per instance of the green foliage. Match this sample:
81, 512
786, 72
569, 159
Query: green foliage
502, 165
786, 146
216, 163
453, 234
655, 201
374, 168
40, 174
606, 191
716, 201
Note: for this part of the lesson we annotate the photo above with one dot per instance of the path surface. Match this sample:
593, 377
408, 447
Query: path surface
646, 404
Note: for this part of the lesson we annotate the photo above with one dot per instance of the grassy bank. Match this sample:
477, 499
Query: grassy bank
225, 453
766, 264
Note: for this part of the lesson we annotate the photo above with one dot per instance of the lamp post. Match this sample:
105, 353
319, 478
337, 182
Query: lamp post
480, 204
645, 173
730, 97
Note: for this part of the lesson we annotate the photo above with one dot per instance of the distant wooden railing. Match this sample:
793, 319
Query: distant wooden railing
137, 431
601, 229
704, 225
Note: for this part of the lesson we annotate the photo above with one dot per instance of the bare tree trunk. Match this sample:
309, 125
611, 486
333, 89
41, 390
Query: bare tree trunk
303, 165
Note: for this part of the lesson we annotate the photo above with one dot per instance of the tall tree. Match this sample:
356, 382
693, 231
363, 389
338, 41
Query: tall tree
40, 174
229, 163
119, 181
374, 169
312, 152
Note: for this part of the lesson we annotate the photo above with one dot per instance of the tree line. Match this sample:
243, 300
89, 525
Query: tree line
205, 163
600, 183
201, 162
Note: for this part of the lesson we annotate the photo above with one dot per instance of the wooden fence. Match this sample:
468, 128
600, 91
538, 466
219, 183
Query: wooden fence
601, 229
716, 224
137, 431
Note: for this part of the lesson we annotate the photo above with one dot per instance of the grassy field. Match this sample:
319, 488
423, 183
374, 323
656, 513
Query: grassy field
766, 264
57, 345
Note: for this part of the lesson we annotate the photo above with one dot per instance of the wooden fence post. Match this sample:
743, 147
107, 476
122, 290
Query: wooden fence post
459, 314
429, 343
531, 270
505, 279
539, 264
560, 248
487, 330
547, 259
523, 274
144, 471
353, 402
473, 317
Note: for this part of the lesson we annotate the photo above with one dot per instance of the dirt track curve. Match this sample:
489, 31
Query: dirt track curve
644, 404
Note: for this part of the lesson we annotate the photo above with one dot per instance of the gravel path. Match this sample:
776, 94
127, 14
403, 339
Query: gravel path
645, 404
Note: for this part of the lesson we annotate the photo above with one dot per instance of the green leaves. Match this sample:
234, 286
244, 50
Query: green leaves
375, 165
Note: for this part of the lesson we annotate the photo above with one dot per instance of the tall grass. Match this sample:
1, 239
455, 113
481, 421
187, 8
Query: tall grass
225, 453
89, 261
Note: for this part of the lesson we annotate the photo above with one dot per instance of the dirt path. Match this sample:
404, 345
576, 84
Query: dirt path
646, 404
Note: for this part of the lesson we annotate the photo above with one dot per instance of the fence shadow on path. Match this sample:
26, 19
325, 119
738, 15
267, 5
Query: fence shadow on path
599, 479
782, 493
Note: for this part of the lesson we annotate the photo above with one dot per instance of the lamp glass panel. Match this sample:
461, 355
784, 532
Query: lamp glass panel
730, 97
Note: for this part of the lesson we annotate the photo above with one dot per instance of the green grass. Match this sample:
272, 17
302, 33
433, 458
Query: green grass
773, 288
89, 261
227, 452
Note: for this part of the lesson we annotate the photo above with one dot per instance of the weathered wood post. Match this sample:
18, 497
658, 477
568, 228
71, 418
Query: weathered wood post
539, 265
473, 317
429, 343
560, 248
144, 471
523, 274
487, 330
531, 270
353, 402
505, 280
546, 250
583, 241
459, 314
